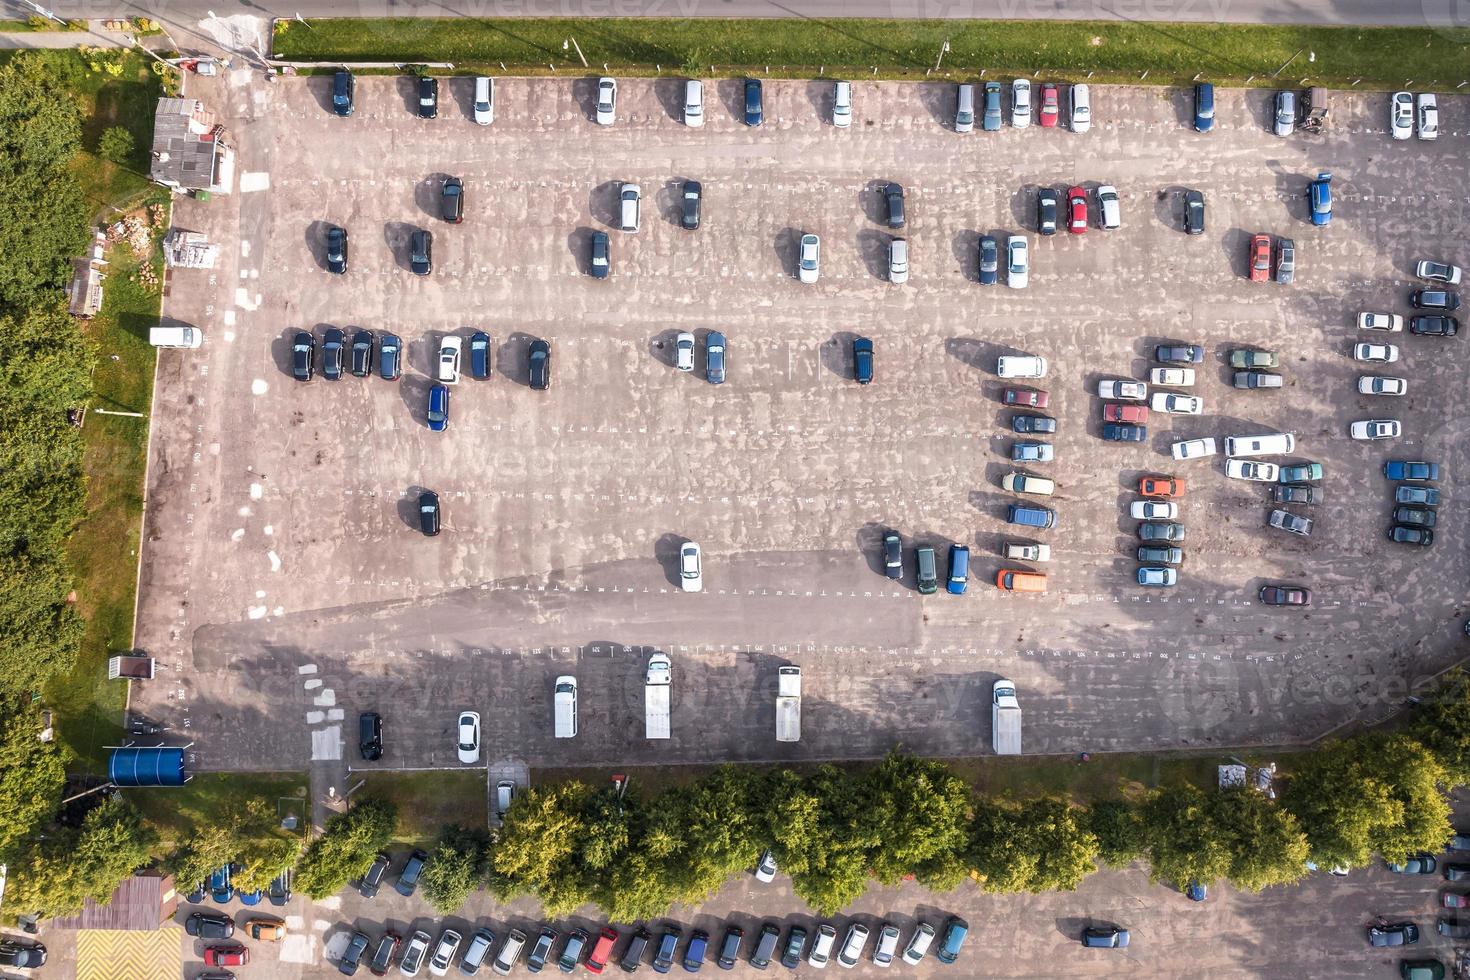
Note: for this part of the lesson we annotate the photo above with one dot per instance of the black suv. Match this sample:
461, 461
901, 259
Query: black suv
303, 356
408, 878
342, 86
989, 260
210, 925
428, 97
337, 250
893, 555
429, 513
689, 217
1434, 325
1046, 211
893, 194
421, 252
390, 357
370, 735
368, 884
540, 355
451, 200
362, 354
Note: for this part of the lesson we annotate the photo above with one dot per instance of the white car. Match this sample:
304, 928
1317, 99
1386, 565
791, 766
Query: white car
691, 568
842, 105
821, 952
1018, 262
1391, 322
1249, 469
809, 262
1172, 404
1401, 115
1020, 103
414, 953
1428, 107
765, 868
1022, 366
607, 101
1158, 575
1193, 449
1378, 353
1153, 510
449, 349
469, 737
1372, 384
1432, 271
1371, 429
1173, 377
898, 261
684, 351
1080, 99
694, 103
444, 952
484, 100
852, 947
1132, 391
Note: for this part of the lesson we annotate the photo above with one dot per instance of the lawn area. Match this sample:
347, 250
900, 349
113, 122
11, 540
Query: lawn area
429, 800
1171, 53
103, 552
209, 797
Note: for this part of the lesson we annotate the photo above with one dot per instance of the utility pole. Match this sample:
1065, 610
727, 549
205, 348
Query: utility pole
580, 55
943, 50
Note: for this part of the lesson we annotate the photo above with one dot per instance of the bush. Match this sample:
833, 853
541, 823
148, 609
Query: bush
346, 847
116, 145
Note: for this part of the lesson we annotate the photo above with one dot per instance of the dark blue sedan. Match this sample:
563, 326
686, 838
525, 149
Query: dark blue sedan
1319, 193
862, 360
480, 354
753, 112
1114, 432
989, 260
221, 889
1204, 107
438, 408
714, 358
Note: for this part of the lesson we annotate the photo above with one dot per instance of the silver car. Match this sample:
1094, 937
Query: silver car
809, 264
684, 351
1018, 262
444, 951
898, 261
607, 101
1285, 113
1020, 103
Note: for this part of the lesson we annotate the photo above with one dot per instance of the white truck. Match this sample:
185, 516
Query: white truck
788, 704
1005, 718
656, 686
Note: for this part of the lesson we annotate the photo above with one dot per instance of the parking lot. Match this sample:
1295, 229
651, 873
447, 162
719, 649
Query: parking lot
285, 586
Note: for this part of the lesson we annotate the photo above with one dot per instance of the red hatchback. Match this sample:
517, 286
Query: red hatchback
1049, 103
226, 956
1260, 258
1132, 414
601, 951
1076, 210
1025, 397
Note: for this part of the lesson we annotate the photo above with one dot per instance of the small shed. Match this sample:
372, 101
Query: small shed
130, 667
84, 296
158, 766
141, 904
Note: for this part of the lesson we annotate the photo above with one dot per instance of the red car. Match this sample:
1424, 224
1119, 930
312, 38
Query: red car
1160, 486
601, 951
226, 956
1260, 258
1076, 210
1025, 397
1132, 414
1049, 104
1454, 900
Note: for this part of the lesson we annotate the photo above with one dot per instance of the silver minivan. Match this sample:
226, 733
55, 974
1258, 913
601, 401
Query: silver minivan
484, 100
476, 951
564, 704
628, 215
694, 103
964, 115
509, 953
842, 105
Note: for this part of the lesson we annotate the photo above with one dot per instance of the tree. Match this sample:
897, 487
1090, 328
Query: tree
346, 847
32, 774
1034, 846
245, 836
834, 845
919, 811
56, 875
1266, 844
1415, 779
116, 145
707, 831
1442, 724
538, 852
1119, 833
1184, 843
456, 867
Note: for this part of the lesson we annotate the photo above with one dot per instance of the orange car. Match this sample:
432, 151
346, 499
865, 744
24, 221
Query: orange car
1260, 258
1161, 486
266, 929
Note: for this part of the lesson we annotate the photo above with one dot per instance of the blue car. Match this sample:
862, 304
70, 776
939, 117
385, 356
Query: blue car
1204, 107
1113, 432
1197, 891
438, 408
220, 887
714, 358
390, 357
959, 569
480, 354
862, 360
989, 260
251, 898
1319, 193
1403, 469
753, 113
991, 122
197, 895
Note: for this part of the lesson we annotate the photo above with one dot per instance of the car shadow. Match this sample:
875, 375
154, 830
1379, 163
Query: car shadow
396, 235
965, 247
670, 95
281, 350
836, 355
873, 247
579, 243
408, 508
662, 348
584, 94
666, 553
514, 358
869, 540
872, 202
821, 95
414, 390
980, 354
320, 88
316, 243
407, 87
787, 246
603, 203
669, 200
427, 193
941, 100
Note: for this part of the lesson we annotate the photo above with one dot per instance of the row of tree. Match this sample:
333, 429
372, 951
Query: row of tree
835, 830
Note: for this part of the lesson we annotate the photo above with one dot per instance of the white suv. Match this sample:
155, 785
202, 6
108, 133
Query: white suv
449, 359
1024, 366
691, 569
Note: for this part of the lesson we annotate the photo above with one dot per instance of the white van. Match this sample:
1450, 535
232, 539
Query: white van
898, 261
842, 105
564, 703
1107, 202
187, 338
1020, 366
509, 953
964, 115
1080, 97
694, 103
1271, 444
484, 100
630, 196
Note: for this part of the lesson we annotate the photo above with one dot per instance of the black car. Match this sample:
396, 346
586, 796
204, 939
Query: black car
1046, 211
1179, 354
637, 945
208, 925
421, 252
1295, 493
390, 357
1194, 213
451, 200
479, 354
1115, 432
279, 890
540, 954
196, 896
540, 356
303, 356
334, 343
1434, 325
862, 360
1416, 516
1160, 555
370, 735
1285, 595
730, 947
989, 260
1393, 934
428, 97
893, 555
795, 943
753, 111
342, 86
1170, 531
372, 878
362, 354
408, 878
26, 956
1033, 423
1434, 299
352, 955
893, 196
601, 257
689, 216
383, 955
336, 250
429, 514
1403, 534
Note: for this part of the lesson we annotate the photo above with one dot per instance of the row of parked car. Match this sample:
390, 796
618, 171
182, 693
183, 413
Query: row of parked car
1415, 511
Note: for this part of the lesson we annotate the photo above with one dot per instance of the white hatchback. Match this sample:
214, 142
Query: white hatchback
607, 101
1193, 449
852, 947
684, 351
1020, 103
809, 259
1080, 97
1018, 262
449, 349
694, 103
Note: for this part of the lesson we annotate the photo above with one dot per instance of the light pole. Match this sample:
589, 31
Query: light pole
49, 15
943, 50
574, 44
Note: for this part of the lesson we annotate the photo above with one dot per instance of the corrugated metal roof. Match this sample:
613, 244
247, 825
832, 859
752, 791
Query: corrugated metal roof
143, 902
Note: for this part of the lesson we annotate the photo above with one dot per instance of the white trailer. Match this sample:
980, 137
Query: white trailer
656, 687
788, 704
1005, 718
